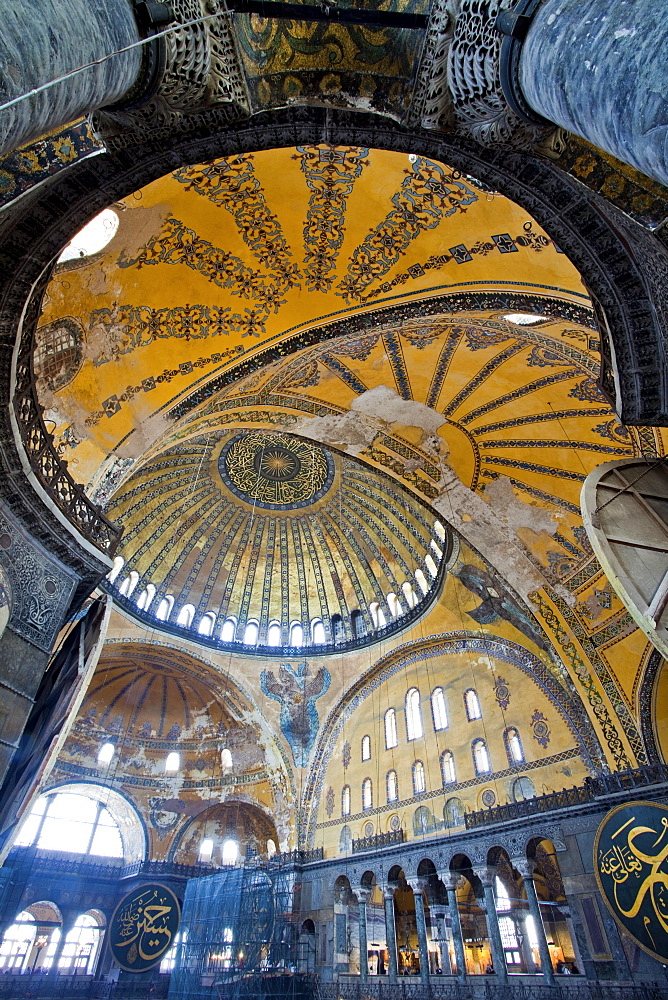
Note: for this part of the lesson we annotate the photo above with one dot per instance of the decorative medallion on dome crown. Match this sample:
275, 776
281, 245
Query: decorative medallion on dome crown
275, 471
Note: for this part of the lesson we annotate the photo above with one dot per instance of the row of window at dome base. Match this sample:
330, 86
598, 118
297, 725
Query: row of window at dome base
481, 763
172, 760
314, 633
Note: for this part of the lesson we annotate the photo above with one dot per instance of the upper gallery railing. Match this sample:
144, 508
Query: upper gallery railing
48, 466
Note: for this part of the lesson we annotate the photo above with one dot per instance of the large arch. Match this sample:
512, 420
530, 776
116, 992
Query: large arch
563, 697
622, 271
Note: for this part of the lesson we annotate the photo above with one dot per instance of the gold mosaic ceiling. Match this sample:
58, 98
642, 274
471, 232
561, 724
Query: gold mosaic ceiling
217, 263
354, 297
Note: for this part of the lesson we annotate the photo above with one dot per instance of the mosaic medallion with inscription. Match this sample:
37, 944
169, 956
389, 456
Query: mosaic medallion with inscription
275, 471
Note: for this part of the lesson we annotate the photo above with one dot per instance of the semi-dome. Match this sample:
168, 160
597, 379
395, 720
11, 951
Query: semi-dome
262, 538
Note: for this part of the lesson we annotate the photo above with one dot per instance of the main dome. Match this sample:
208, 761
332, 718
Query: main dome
264, 539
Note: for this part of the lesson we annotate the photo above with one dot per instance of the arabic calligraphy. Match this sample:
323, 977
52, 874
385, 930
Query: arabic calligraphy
143, 927
631, 865
275, 471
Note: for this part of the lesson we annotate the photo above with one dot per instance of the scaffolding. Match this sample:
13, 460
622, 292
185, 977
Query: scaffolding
237, 938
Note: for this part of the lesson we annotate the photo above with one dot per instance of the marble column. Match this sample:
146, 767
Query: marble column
363, 897
526, 870
418, 886
486, 876
41, 42
390, 934
600, 71
451, 882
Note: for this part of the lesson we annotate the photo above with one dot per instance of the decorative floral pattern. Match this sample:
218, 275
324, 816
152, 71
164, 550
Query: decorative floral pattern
540, 728
501, 693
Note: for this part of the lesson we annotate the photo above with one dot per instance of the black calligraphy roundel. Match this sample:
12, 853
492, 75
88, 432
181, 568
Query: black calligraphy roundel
144, 926
631, 866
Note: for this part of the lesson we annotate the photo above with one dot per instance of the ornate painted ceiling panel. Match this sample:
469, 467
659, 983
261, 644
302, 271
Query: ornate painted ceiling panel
219, 261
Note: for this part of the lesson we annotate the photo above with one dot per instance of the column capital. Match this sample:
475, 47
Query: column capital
388, 891
452, 880
195, 71
363, 893
486, 874
418, 885
524, 866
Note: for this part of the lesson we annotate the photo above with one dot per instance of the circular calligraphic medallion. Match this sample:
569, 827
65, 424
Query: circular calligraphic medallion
275, 471
144, 926
631, 867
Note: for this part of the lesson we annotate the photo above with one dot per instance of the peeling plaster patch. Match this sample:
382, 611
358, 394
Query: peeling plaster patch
386, 405
138, 225
373, 412
508, 506
493, 537
350, 432
144, 436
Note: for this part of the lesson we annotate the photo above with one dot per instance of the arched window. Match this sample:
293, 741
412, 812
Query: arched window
206, 850
94, 236
226, 759
419, 781
338, 631
296, 634
438, 552
129, 584
503, 904
172, 762
480, 757
366, 748
73, 822
357, 624
439, 530
438, 710
409, 594
390, 729
119, 563
421, 581
230, 852
377, 615
317, 632
17, 942
207, 623
274, 634
413, 715
472, 703
394, 604
81, 946
523, 788
146, 596
345, 800
514, 748
251, 633
164, 609
229, 630
186, 615
509, 940
367, 794
448, 768
392, 786
431, 565
106, 753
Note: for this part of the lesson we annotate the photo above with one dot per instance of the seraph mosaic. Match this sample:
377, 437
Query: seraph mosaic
296, 691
